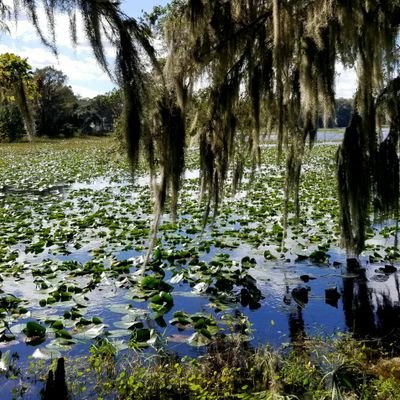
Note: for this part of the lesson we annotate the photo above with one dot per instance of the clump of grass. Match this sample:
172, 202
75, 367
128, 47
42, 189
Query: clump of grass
341, 368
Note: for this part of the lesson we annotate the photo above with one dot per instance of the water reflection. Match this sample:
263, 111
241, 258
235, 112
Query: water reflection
364, 301
357, 305
370, 312
297, 331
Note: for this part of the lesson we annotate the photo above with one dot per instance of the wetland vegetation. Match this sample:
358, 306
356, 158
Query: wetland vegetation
75, 231
208, 263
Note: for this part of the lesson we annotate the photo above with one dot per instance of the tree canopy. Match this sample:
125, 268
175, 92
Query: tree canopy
277, 56
52, 107
56, 104
16, 85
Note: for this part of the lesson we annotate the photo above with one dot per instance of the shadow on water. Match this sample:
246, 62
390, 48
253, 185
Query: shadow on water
364, 301
297, 331
371, 313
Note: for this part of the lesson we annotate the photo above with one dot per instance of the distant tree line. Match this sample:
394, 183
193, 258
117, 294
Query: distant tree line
55, 109
344, 109
58, 112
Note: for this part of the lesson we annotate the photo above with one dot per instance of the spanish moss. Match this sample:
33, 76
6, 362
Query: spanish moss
282, 57
278, 59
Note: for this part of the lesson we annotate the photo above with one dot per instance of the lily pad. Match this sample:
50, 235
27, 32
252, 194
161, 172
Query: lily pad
46, 354
33, 329
198, 340
91, 333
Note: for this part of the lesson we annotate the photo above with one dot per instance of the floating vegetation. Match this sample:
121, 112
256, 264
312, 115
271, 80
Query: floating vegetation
75, 232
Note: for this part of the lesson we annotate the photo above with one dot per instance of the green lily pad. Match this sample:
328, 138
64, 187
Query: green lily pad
62, 333
33, 329
57, 325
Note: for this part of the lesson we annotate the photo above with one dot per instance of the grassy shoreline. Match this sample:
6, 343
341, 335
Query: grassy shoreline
339, 368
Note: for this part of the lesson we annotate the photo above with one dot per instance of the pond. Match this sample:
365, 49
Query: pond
75, 230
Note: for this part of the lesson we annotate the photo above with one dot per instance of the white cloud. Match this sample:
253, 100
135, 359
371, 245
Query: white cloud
84, 91
76, 67
346, 82
77, 62
24, 30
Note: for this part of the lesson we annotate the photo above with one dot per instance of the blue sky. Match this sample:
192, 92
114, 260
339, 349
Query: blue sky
85, 76
134, 8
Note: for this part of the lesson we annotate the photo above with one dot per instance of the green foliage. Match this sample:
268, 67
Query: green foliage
103, 356
11, 123
299, 375
56, 104
383, 389
326, 369
56, 109
17, 85
99, 114
60, 113
13, 69
171, 379
33, 329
